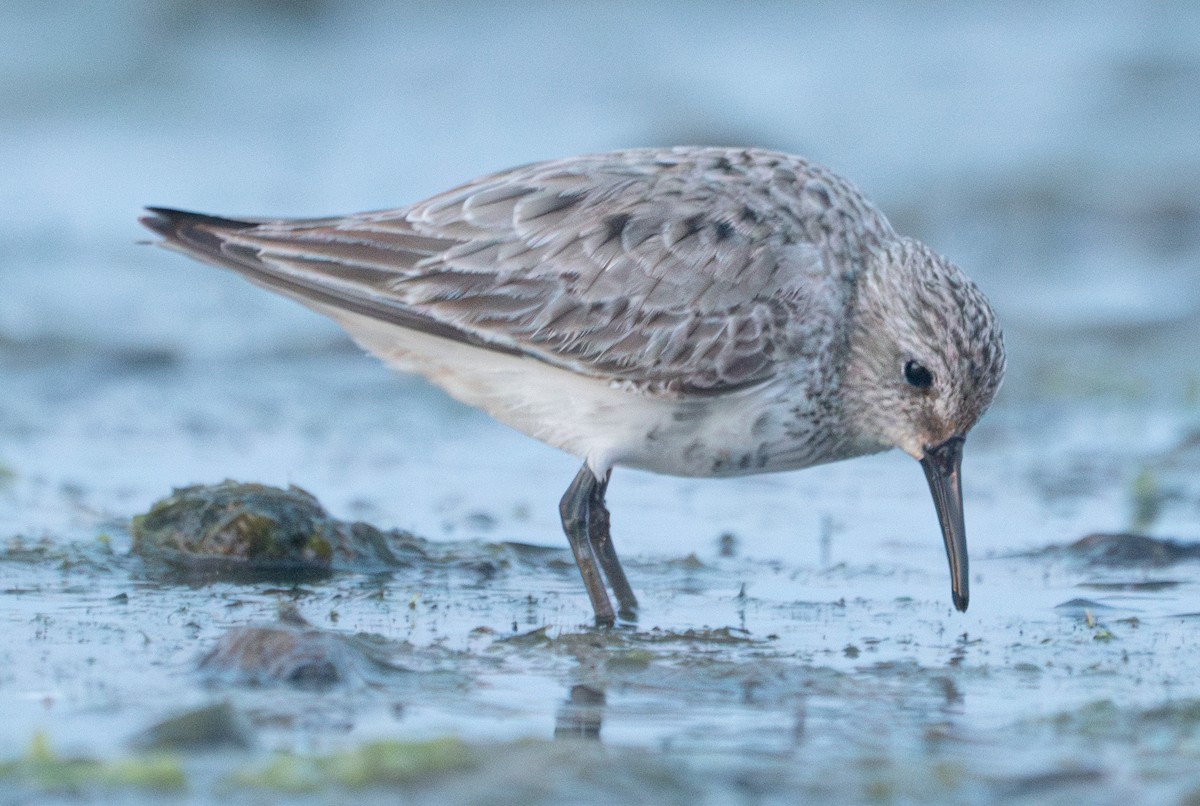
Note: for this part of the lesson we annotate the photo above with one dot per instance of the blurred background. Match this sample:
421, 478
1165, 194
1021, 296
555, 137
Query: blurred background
1052, 149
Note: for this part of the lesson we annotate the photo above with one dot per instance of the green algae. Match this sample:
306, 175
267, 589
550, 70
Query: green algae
1146, 500
382, 763
42, 769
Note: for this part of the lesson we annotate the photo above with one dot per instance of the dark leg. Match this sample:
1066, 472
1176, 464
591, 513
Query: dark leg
576, 510
604, 550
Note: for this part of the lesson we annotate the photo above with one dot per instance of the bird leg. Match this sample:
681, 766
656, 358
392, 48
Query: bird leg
585, 520
604, 550
576, 510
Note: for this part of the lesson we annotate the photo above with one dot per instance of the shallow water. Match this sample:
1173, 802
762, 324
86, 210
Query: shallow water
1050, 150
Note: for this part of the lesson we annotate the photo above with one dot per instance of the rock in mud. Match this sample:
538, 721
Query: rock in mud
253, 529
294, 652
251, 532
212, 727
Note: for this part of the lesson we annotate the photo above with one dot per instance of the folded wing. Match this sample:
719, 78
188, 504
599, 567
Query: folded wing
683, 269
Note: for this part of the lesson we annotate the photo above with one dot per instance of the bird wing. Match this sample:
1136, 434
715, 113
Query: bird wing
691, 270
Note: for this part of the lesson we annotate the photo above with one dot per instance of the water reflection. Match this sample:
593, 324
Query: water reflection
582, 714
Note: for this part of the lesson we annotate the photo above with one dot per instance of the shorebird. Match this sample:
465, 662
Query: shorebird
692, 311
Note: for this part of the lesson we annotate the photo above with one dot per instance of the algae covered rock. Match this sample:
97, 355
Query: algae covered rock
249, 532
257, 529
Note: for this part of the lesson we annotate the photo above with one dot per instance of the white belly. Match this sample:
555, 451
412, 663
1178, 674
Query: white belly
602, 422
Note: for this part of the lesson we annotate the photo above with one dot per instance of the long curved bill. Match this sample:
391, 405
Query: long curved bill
942, 465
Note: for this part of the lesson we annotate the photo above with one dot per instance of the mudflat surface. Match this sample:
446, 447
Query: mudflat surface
821, 659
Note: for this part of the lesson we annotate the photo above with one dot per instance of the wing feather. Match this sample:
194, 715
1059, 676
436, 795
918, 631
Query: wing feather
694, 270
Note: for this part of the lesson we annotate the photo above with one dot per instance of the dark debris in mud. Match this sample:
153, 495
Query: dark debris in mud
1124, 550
1170, 722
630, 637
1044, 784
1139, 586
96, 555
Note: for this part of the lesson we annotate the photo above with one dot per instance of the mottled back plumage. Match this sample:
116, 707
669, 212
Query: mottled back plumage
687, 269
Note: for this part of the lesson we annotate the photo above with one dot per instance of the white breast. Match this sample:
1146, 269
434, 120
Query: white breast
600, 421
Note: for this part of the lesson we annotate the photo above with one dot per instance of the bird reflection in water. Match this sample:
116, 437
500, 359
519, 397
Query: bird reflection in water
581, 715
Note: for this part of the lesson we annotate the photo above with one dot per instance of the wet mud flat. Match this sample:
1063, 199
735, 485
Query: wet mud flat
413, 626
235, 642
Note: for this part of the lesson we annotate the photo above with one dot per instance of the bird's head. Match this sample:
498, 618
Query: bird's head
926, 359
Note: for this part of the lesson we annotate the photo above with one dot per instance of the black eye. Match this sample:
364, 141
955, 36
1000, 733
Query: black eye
917, 375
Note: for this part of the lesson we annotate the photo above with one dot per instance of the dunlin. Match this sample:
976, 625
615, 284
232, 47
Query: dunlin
691, 311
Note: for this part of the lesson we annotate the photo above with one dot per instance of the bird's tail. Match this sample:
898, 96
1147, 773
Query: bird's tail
197, 234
